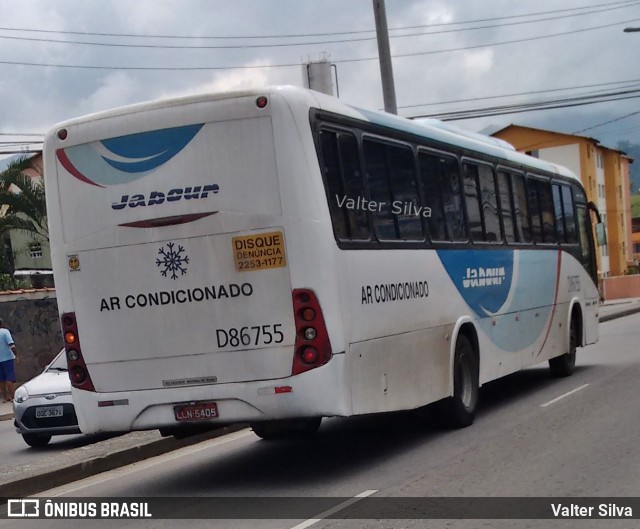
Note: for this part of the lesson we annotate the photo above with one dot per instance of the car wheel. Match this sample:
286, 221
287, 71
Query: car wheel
36, 441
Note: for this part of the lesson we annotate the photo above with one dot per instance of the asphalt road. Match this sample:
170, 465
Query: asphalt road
535, 436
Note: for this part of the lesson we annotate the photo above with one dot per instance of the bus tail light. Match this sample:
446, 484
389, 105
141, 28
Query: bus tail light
78, 372
312, 348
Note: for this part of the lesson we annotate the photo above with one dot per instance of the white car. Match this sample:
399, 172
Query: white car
43, 406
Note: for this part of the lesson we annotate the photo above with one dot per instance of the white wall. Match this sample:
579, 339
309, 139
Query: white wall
567, 155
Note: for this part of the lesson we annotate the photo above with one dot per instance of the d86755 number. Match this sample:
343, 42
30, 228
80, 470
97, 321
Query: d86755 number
254, 335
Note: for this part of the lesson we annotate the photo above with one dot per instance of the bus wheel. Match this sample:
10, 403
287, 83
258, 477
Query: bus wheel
459, 410
286, 429
564, 365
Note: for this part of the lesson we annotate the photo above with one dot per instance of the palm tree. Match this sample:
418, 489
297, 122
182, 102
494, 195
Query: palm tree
22, 200
22, 207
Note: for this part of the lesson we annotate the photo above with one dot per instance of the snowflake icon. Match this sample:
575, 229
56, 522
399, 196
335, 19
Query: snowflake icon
172, 261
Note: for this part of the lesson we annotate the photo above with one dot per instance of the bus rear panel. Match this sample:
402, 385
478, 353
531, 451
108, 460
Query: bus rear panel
170, 254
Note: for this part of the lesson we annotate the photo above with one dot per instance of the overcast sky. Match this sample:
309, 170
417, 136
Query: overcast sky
455, 55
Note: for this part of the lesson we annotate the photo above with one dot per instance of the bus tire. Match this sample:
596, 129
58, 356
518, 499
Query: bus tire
564, 365
36, 441
458, 411
286, 429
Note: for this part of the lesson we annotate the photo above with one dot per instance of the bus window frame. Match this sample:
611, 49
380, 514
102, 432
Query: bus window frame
520, 173
510, 171
492, 167
430, 151
377, 138
539, 178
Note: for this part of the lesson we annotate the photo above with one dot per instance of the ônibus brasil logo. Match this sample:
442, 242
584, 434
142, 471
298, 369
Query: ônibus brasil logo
172, 261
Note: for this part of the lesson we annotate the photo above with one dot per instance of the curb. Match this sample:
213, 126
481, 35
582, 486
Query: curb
626, 312
62, 476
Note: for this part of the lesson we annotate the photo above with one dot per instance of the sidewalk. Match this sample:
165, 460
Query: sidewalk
53, 468
618, 308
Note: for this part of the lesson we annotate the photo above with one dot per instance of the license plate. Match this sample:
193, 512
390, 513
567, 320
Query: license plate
49, 411
201, 411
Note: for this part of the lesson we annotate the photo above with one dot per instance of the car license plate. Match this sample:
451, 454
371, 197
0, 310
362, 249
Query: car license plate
49, 411
196, 412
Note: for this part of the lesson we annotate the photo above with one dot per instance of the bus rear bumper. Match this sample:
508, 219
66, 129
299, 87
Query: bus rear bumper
316, 393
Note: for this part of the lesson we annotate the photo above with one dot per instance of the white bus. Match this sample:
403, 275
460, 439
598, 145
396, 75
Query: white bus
277, 256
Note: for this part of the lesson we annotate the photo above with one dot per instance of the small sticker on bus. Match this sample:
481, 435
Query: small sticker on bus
259, 252
74, 263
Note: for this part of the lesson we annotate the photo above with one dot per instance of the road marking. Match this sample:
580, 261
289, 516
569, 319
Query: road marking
553, 401
333, 510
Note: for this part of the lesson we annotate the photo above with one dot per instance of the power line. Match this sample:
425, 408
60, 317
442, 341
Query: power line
494, 44
630, 81
618, 131
608, 122
532, 106
629, 2
625, 3
292, 44
297, 64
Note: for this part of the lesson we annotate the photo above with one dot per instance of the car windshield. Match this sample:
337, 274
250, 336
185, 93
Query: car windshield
59, 363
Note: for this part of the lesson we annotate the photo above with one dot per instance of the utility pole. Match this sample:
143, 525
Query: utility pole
384, 56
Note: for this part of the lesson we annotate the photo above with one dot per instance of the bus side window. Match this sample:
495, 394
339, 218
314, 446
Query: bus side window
482, 202
472, 201
571, 234
534, 208
405, 193
489, 196
506, 205
440, 177
380, 188
394, 196
546, 212
586, 245
429, 169
341, 167
521, 208
558, 210
564, 212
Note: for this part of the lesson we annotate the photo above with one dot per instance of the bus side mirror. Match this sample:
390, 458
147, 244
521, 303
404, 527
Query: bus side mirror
601, 234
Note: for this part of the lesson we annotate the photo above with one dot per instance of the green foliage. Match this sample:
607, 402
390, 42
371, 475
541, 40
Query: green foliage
633, 150
22, 201
8, 282
635, 206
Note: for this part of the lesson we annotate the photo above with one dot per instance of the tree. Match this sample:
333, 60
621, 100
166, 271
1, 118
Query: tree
22, 207
633, 150
22, 200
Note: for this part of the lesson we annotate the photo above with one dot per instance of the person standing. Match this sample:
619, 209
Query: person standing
7, 366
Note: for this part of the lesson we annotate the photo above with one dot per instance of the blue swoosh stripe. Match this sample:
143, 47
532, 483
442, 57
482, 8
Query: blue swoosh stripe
149, 150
